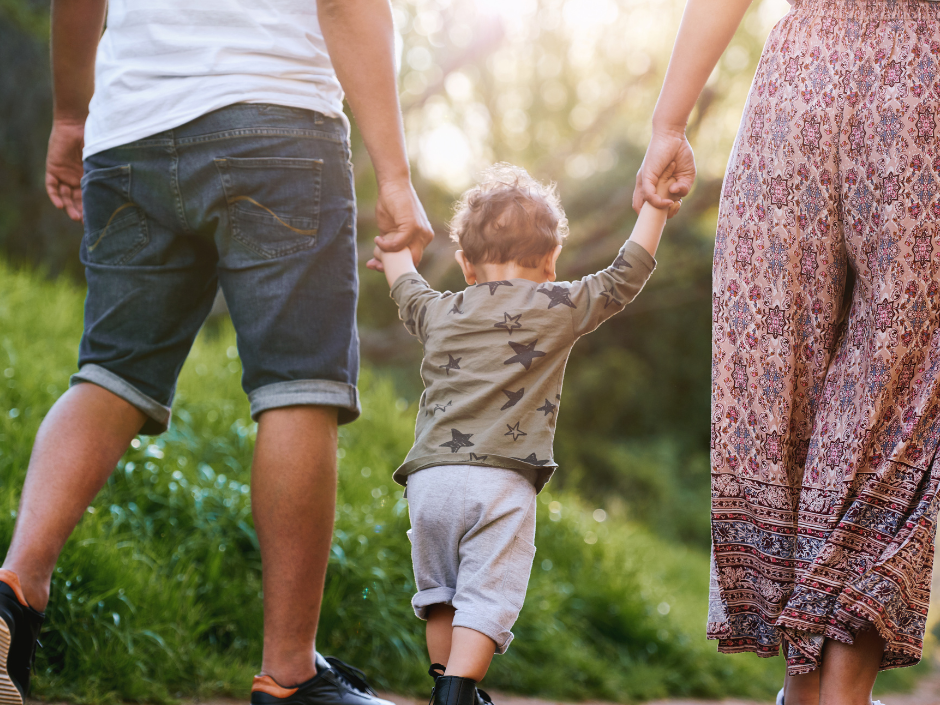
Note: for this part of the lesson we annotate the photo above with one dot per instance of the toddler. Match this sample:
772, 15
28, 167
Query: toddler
494, 359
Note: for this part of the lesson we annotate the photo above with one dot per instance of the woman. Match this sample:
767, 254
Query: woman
826, 348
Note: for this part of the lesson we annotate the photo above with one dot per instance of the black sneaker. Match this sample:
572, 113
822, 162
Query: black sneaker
336, 683
19, 634
436, 671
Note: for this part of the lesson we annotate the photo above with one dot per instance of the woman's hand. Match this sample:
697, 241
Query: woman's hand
666, 147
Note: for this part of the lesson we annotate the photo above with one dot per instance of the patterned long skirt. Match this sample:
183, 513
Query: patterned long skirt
826, 355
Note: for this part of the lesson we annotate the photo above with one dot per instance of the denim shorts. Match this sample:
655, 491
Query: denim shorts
257, 199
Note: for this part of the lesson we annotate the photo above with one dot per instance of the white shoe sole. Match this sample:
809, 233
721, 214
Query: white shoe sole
9, 695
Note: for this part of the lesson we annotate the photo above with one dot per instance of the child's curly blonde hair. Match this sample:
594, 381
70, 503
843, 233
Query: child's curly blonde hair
508, 217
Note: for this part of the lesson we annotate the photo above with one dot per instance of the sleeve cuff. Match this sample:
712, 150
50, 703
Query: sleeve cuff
400, 289
636, 253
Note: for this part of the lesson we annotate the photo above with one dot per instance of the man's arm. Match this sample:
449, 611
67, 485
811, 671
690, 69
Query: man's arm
76, 29
360, 38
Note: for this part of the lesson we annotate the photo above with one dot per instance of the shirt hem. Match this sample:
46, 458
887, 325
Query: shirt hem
118, 139
543, 472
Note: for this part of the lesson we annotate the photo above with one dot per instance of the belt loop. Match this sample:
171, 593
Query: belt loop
317, 117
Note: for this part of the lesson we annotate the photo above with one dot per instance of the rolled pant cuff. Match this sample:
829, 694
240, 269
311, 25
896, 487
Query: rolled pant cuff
158, 415
307, 392
497, 632
435, 596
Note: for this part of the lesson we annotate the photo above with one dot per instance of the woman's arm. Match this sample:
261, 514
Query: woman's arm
707, 28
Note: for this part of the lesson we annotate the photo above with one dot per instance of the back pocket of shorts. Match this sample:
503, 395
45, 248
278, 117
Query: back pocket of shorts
273, 202
115, 227
516, 579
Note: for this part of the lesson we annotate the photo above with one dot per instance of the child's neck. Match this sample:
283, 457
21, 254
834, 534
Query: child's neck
491, 272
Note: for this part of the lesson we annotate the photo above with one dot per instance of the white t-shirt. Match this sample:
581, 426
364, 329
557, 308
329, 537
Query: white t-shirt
162, 63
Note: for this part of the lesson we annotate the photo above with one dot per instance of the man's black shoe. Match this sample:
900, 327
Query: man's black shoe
19, 634
336, 683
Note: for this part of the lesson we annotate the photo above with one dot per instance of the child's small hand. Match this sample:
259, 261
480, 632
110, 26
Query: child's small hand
662, 189
376, 263
393, 264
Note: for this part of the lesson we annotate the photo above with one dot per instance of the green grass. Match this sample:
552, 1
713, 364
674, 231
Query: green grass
157, 595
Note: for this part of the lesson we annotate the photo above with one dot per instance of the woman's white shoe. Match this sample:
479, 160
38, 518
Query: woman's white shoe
780, 697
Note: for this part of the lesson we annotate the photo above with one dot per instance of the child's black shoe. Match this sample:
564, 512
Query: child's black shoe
456, 689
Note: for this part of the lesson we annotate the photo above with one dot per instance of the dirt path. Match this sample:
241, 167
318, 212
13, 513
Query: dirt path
928, 693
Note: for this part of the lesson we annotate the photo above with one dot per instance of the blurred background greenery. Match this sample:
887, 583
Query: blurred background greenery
157, 593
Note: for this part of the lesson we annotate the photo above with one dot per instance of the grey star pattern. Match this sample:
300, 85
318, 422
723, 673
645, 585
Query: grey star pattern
548, 408
509, 323
478, 458
558, 295
525, 354
495, 285
458, 440
620, 263
513, 397
515, 431
439, 407
452, 364
456, 309
609, 297
532, 460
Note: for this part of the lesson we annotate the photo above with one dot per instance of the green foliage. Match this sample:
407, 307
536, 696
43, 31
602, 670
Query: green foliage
157, 594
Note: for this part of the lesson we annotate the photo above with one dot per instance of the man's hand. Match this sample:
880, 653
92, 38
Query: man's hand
64, 167
666, 147
402, 222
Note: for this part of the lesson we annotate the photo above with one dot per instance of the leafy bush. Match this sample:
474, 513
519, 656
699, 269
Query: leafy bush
158, 592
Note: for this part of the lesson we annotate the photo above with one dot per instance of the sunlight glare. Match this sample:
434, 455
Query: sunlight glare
589, 14
507, 9
446, 156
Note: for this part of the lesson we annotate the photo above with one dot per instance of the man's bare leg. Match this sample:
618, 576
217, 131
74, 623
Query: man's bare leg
849, 670
293, 500
77, 448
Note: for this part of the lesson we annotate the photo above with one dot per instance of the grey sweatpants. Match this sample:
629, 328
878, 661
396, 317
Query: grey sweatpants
472, 544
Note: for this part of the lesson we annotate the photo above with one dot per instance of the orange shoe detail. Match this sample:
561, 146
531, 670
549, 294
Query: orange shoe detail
266, 684
13, 580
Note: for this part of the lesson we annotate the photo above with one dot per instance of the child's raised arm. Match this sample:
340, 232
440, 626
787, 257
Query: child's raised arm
412, 294
650, 222
597, 297
394, 264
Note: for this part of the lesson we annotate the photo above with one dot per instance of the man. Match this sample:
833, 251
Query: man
215, 153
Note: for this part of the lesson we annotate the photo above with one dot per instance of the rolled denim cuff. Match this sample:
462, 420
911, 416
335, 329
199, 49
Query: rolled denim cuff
158, 415
307, 392
434, 596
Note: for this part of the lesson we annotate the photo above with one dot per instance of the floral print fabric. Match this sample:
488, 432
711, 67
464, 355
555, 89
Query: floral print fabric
826, 350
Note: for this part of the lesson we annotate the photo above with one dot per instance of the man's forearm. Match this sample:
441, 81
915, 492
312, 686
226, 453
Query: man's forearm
360, 37
76, 29
707, 28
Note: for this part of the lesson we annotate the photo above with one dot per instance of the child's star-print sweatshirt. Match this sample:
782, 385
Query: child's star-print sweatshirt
494, 361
